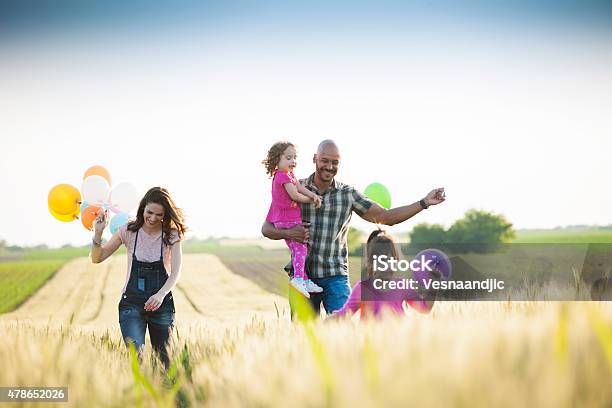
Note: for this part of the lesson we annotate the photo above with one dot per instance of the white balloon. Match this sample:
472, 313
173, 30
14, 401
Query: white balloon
124, 197
95, 189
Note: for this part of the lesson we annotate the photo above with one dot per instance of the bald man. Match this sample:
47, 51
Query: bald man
326, 229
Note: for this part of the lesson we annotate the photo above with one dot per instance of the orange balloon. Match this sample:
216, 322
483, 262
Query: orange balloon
98, 171
89, 215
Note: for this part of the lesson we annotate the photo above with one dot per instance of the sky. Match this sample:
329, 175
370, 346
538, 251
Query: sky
509, 107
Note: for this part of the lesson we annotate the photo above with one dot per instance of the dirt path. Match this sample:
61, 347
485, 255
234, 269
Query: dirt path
208, 295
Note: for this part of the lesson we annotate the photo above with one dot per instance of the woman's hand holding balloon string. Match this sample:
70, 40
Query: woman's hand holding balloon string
100, 252
100, 223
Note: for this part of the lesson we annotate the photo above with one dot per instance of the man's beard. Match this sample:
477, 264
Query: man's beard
325, 173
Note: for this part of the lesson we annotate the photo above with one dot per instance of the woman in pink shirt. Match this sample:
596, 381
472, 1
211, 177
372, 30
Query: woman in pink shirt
153, 242
372, 302
285, 212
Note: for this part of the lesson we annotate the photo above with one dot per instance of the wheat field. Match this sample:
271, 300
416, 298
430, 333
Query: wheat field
235, 346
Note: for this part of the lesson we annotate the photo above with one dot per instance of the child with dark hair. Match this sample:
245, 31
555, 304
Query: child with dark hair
371, 302
285, 212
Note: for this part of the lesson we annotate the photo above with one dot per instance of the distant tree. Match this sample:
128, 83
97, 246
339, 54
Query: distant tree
355, 241
427, 235
2, 243
480, 231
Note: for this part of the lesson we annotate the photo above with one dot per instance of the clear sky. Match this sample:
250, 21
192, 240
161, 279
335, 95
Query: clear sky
509, 108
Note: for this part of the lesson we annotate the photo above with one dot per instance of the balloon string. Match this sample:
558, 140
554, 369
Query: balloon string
104, 205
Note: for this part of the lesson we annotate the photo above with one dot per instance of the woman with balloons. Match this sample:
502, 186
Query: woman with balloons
153, 243
67, 203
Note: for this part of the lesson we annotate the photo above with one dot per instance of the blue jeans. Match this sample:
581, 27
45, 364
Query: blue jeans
134, 320
336, 291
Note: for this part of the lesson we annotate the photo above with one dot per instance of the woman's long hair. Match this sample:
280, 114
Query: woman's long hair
380, 243
173, 216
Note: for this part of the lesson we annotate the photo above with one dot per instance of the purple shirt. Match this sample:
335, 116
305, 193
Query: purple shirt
283, 208
391, 301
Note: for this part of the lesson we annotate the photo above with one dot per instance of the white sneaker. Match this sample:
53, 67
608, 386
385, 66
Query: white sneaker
312, 287
300, 286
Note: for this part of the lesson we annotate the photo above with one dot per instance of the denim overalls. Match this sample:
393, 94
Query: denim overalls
146, 278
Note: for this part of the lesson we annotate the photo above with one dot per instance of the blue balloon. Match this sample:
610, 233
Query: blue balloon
84, 205
118, 221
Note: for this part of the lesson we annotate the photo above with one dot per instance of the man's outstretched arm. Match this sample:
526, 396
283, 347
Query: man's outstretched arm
380, 215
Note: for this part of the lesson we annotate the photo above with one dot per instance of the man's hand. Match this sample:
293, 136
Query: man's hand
317, 201
299, 233
435, 196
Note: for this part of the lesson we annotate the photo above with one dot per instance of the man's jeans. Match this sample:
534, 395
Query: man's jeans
336, 291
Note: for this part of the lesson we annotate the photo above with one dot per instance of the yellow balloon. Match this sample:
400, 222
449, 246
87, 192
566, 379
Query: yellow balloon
98, 171
64, 218
64, 199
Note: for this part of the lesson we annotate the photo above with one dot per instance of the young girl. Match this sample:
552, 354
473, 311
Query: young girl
154, 257
380, 243
285, 211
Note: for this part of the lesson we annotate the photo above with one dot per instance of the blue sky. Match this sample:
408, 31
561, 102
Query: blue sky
506, 106
23, 17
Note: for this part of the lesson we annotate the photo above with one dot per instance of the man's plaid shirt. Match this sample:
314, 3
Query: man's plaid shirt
329, 225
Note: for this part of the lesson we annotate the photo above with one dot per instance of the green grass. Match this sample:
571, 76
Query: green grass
60, 254
22, 273
19, 280
570, 236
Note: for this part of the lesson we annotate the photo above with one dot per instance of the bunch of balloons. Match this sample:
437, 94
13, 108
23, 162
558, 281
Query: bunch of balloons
66, 202
379, 193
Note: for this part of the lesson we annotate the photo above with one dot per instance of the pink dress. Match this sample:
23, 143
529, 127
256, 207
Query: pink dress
285, 213
391, 301
283, 208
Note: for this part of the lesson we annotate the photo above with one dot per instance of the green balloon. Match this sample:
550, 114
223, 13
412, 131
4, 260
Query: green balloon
379, 193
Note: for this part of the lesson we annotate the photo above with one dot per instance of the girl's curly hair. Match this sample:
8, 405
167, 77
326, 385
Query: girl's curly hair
274, 155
